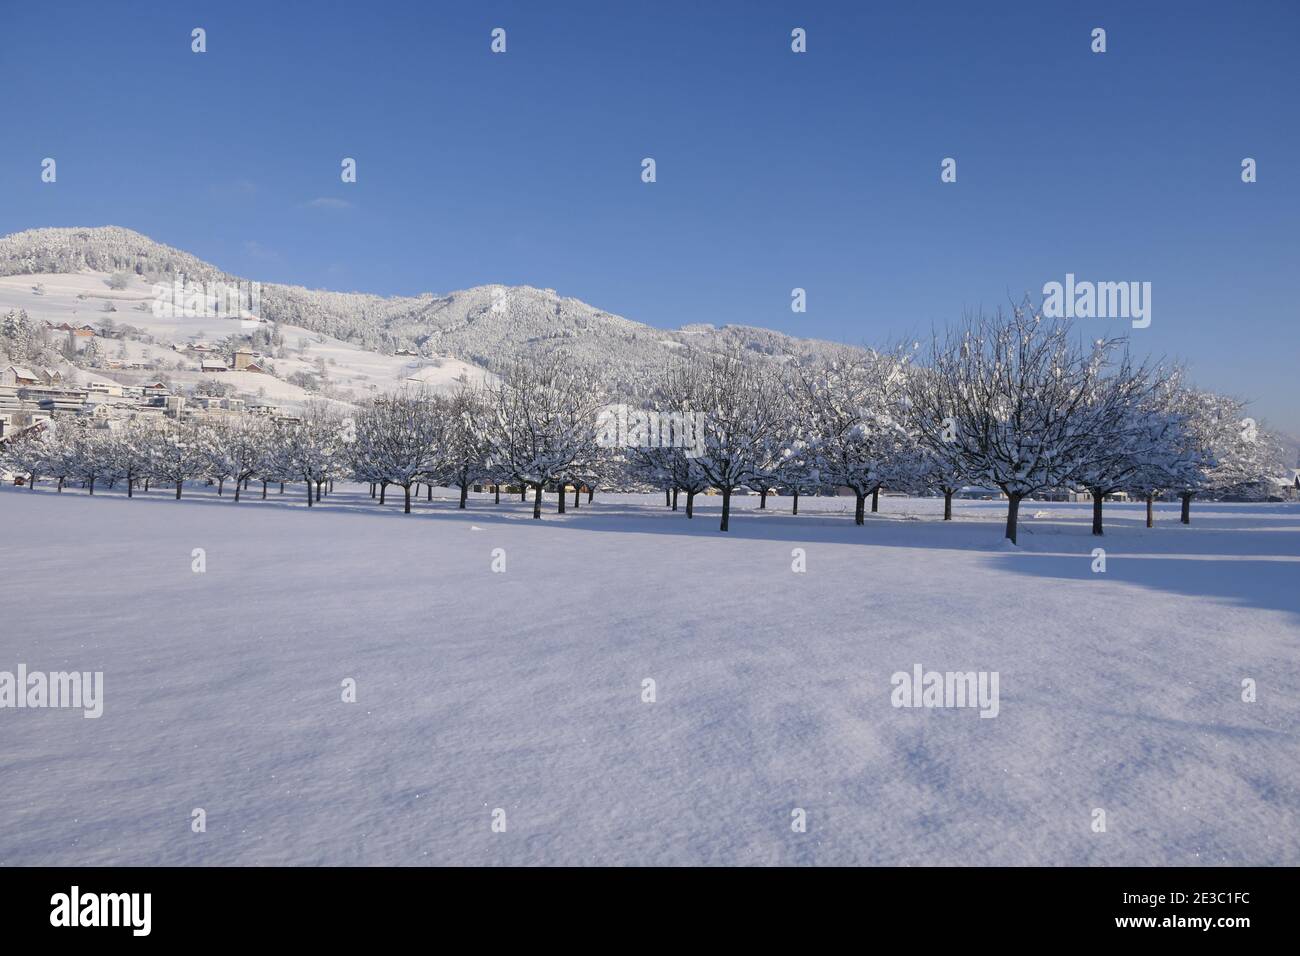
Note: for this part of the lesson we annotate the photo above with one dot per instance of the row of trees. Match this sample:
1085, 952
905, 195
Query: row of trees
1011, 402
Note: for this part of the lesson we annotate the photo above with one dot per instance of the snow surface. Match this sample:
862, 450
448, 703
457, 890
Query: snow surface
522, 690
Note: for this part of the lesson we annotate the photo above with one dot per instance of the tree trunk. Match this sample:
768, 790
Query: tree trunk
590, 493
559, 493
875, 499
91, 485
237, 489
796, 502
407, 509
674, 498
1013, 516
523, 494
497, 490
464, 493
1187, 508
331, 487
146, 484
577, 495
318, 484
690, 504
947, 506
130, 487
428, 492
726, 509
859, 509
1096, 510
668, 498
263, 490
762, 500
372, 489
308, 492
178, 490
537, 500
282, 487
1151, 511
221, 487
383, 491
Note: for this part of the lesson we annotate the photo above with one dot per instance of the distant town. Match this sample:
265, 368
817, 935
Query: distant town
31, 394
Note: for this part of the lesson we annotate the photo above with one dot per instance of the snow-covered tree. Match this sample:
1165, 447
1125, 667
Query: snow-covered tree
131, 450
398, 441
1235, 455
31, 454
177, 454
21, 338
235, 448
1130, 431
742, 416
465, 442
543, 424
89, 452
315, 447
857, 421
1010, 396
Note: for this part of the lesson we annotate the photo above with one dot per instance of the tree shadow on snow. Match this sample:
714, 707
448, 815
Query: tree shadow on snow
1264, 582
1055, 539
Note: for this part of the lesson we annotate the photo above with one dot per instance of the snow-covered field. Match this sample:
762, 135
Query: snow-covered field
478, 690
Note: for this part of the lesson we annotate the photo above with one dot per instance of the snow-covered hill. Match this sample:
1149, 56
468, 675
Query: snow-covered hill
351, 372
482, 327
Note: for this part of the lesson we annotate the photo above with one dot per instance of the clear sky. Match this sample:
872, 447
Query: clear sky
775, 169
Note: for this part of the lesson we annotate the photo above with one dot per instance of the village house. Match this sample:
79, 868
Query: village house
19, 375
104, 388
9, 407
213, 365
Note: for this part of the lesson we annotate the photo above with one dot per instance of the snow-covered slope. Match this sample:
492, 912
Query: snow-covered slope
484, 326
351, 371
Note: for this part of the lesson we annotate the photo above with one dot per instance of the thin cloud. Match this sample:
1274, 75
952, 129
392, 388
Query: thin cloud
327, 202
258, 251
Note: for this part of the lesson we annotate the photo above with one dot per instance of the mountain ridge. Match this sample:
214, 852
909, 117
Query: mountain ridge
487, 325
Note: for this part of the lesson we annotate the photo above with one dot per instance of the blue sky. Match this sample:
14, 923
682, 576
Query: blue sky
775, 170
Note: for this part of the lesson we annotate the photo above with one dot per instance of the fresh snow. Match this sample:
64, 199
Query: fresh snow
522, 690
